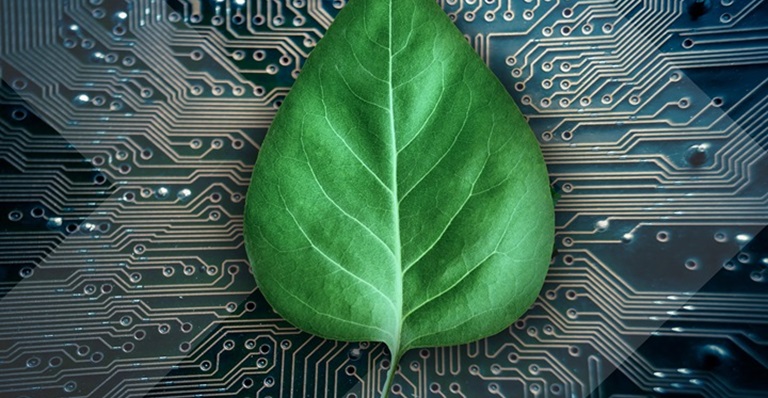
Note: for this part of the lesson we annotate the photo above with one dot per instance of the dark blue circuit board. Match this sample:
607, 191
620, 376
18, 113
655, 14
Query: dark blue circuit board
128, 130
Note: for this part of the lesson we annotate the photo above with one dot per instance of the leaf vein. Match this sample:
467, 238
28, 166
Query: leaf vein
335, 204
426, 120
344, 141
444, 155
458, 325
449, 223
315, 310
453, 286
358, 96
362, 66
331, 260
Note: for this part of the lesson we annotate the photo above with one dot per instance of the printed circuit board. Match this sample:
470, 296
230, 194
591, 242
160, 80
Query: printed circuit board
129, 128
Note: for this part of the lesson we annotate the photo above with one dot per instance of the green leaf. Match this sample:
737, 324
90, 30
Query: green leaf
400, 195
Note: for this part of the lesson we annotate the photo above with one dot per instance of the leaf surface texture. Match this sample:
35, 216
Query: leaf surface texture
399, 196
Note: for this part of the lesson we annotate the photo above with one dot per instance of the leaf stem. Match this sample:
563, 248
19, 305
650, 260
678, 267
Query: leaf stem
391, 372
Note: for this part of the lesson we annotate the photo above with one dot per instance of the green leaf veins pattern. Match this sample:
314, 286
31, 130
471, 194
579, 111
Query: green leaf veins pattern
400, 195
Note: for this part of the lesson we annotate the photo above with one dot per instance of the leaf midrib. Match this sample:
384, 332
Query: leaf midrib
395, 348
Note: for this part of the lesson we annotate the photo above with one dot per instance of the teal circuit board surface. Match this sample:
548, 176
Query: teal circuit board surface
129, 128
